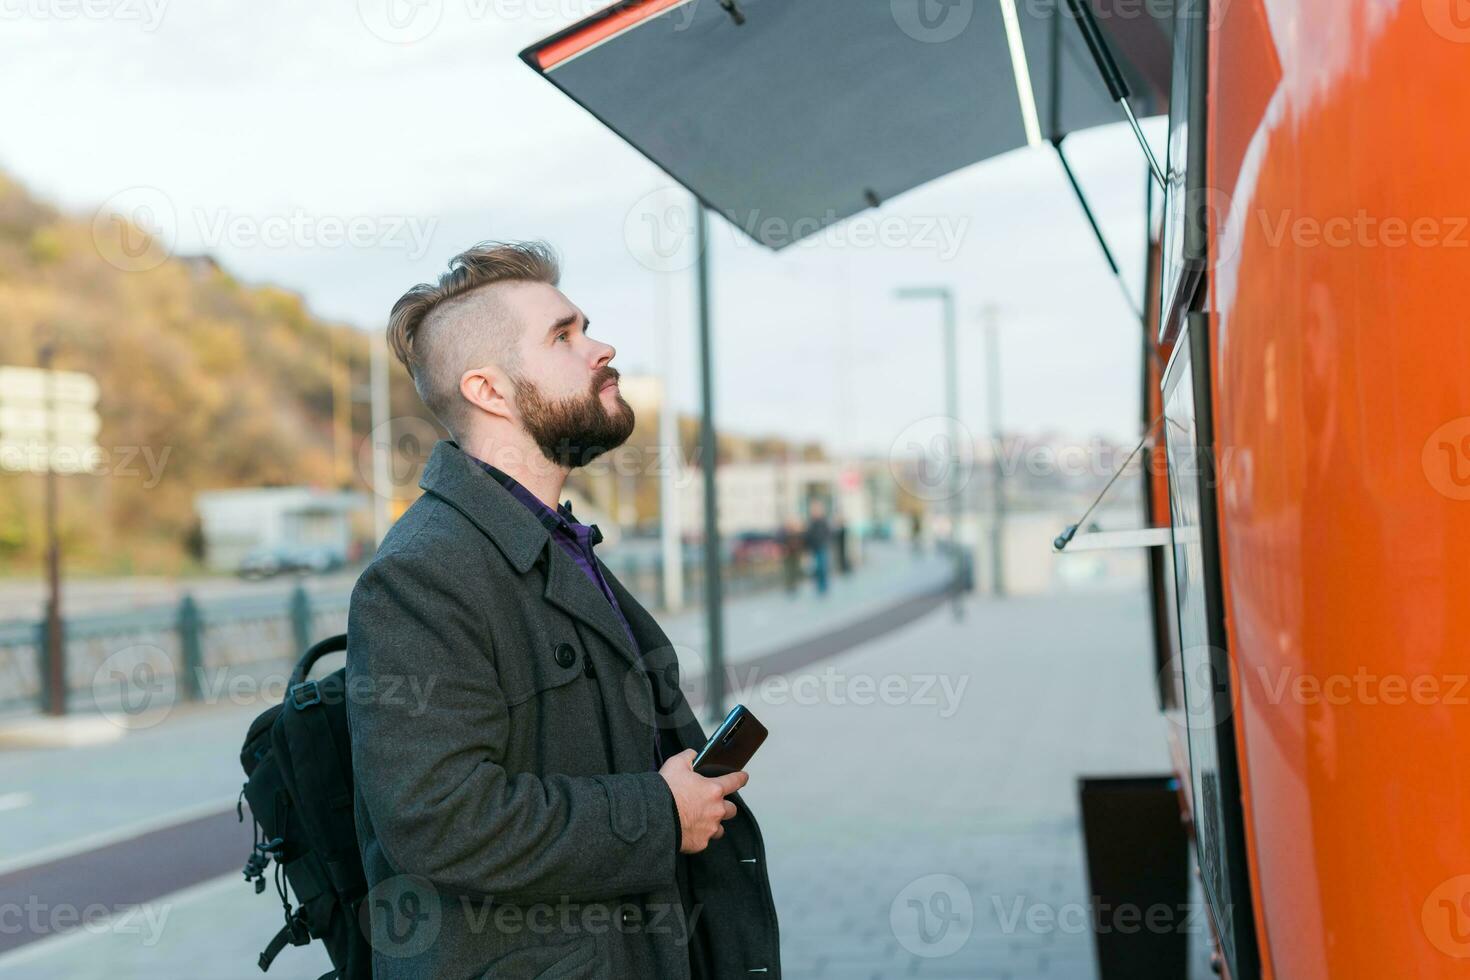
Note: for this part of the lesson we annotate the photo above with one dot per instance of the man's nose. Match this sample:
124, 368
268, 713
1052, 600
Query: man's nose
606, 354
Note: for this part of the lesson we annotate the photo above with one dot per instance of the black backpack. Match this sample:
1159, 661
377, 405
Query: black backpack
298, 768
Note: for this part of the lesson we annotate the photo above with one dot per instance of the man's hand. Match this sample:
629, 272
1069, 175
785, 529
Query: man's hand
701, 802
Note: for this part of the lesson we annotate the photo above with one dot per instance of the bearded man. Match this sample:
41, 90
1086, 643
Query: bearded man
535, 814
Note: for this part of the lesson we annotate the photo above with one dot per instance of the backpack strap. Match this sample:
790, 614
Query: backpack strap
331, 644
293, 932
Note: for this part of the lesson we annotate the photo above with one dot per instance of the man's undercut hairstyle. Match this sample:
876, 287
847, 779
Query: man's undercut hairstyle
441, 330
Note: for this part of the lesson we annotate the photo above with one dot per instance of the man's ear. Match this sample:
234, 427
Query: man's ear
488, 389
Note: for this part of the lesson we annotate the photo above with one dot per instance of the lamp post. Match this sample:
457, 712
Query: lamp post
945, 295
708, 458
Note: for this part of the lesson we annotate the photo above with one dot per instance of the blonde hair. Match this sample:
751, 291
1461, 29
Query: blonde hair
431, 332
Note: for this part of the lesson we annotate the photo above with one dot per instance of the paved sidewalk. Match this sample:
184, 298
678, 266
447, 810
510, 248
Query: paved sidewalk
912, 836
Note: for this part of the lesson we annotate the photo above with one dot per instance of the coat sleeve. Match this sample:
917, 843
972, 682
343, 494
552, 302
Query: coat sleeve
429, 726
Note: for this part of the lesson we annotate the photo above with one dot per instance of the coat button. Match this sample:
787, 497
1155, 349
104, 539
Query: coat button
565, 655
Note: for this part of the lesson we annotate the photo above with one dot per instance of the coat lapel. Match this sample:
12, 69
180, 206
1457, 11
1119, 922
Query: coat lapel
570, 590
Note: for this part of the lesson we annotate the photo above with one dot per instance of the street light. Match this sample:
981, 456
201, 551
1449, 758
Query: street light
945, 295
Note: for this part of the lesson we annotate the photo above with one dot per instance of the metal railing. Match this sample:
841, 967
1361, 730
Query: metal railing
198, 647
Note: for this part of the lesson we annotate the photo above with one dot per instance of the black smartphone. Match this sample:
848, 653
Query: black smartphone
732, 744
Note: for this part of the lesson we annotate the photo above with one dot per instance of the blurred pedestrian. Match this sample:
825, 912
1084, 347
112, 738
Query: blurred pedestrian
793, 544
818, 539
839, 545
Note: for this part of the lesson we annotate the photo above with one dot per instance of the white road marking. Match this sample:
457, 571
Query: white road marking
14, 801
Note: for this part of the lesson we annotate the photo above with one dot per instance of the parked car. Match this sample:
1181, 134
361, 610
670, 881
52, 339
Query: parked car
756, 546
275, 560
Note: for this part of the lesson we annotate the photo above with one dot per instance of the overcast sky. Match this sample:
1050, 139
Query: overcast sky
262, 132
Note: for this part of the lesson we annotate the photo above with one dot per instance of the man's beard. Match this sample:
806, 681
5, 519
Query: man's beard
574, 431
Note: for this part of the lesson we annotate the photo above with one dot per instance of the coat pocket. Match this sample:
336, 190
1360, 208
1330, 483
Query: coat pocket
575, 960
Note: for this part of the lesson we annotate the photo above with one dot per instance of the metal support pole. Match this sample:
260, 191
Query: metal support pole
671, 538
997, 475
383, 491
708, 451
55, 640
952, 412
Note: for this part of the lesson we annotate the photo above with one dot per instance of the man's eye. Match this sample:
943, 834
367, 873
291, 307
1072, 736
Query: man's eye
563, 335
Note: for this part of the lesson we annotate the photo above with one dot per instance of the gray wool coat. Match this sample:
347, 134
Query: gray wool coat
509, 817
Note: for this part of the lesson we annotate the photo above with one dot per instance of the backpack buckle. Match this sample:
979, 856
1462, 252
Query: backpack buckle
306, 694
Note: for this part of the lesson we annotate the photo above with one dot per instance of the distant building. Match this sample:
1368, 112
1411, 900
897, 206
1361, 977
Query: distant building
237, 522
761, 496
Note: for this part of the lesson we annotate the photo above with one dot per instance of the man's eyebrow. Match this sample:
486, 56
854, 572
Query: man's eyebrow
567, 321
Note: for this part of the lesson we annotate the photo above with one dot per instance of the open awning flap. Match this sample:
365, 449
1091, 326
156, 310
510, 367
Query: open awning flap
786, 116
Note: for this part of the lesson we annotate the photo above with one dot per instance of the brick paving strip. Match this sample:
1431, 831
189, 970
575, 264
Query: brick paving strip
58, 896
